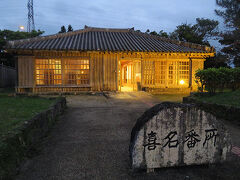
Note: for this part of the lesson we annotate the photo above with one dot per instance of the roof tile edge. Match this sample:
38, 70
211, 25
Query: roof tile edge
88, 29
209, 49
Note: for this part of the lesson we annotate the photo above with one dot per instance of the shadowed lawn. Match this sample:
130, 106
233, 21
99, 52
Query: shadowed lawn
15, 110
224, 98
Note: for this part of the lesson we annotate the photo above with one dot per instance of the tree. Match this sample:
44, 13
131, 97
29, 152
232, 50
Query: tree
219, 60
186, 33
230, 12
70, 28
163, 34
153, 33
198, 33
206, 28
63, 30
8, 35
147, 31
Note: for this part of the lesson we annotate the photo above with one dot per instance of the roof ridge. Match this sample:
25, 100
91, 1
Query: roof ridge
39, 38
89, 28
57, 35
96, 29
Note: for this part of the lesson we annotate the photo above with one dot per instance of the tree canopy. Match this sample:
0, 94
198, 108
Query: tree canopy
70, 28
219, 60
230, 12
198, 33
161, 33
8, 35
63, 30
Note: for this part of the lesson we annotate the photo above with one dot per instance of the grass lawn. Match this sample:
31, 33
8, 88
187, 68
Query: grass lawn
224, 98
15, 110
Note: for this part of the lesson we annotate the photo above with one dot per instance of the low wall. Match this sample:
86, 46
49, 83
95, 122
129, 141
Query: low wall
229, 113
16, 146
7, 76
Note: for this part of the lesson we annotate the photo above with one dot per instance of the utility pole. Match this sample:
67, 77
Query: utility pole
31, 25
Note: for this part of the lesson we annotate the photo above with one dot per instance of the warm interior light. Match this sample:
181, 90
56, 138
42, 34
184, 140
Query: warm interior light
182, 82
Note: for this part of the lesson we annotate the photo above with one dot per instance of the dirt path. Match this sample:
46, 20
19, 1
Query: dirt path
90, 141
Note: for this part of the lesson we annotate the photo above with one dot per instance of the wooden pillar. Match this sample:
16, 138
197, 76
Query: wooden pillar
103, 70
117, 71
167, 72
16, 67
120, 75
190, 72
142, 76
34, 74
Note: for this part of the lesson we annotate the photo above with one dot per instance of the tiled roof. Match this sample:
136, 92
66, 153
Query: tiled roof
102, 39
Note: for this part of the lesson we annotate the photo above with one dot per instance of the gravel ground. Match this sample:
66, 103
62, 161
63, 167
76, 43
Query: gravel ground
91, 139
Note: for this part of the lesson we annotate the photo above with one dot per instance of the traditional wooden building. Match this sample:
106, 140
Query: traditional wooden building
99, 59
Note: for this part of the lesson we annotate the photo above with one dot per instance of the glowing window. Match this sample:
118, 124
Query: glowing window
177, 71
160, 72
172, 73
76, 72
62, 72
184, 71
48, 72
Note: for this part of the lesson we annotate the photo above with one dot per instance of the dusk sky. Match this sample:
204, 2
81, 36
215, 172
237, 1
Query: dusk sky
156, 15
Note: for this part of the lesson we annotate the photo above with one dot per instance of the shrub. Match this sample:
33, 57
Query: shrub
212, 79
200, 80
235, 82
207, 78
224, 77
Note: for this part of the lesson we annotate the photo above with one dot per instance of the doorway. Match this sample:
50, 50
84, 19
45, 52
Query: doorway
130, 75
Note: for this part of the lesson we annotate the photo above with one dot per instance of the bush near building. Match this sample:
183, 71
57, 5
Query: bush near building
213, 79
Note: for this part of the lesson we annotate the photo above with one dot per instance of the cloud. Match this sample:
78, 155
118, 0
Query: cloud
141, 14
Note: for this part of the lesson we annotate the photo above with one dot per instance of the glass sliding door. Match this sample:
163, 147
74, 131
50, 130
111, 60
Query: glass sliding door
48, 72
67, 72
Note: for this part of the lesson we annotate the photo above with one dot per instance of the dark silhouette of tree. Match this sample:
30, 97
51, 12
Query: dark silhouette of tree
8, 35
198, 33
153, 33
230, 12
63, 30
163, 34
219, 60
70, 28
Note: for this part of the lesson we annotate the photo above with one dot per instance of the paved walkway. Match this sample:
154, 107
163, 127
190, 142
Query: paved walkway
91, 139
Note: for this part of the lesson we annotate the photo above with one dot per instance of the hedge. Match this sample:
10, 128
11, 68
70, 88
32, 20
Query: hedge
213, 79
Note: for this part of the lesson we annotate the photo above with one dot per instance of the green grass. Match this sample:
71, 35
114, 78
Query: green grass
225, 98
170, 97
15, 110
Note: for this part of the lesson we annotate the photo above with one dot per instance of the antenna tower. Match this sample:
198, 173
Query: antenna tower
31, 25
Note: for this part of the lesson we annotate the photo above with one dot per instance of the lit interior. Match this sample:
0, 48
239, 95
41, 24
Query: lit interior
182, 82
62, 71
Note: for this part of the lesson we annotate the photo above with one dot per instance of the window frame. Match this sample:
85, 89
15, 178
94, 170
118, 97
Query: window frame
178, 73
62, 60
